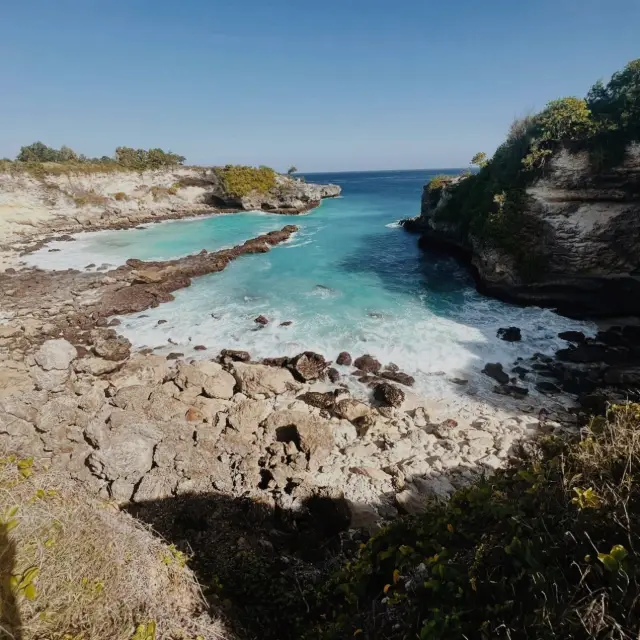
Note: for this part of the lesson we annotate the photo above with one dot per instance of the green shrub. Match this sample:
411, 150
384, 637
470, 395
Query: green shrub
547, 548
239, 181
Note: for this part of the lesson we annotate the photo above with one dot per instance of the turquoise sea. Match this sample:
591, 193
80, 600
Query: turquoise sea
350, 279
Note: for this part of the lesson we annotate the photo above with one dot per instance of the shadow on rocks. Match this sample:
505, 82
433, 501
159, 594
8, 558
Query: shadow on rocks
258, 564
10, 621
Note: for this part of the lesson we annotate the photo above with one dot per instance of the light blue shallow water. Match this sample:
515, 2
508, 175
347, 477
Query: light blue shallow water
349, 280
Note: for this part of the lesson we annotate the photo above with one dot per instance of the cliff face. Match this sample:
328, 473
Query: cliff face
579, 226
61, 201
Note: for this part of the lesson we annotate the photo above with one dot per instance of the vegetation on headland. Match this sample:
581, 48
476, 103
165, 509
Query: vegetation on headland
240, 181
38, 159
489, 204
547, 548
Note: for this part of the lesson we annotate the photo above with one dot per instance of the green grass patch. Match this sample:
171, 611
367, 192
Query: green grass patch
240, 181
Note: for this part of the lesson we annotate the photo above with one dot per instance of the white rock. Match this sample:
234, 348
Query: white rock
254, 379
56, 354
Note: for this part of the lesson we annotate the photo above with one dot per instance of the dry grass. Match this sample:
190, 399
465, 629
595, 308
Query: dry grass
74, 569
162, 193
89, 197
121, 196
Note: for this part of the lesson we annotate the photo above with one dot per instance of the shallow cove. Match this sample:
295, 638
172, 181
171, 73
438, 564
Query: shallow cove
350, 279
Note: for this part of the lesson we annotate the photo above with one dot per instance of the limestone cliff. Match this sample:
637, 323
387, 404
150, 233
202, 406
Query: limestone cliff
59, 200
578, 245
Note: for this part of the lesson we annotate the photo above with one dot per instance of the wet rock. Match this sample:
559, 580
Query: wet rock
367, 364
286, 323
114, 323
200, 347
175, 355
344, 359
511, 390
572, 336
623, 376
276, 362
308, 366
333, 375
594, 403
510, 334
520, 371
317, 399
399, 376
235, 355
162, 322
261, 320
255, 379
55, 354
590, 353
494, 370
548, 387
388, 394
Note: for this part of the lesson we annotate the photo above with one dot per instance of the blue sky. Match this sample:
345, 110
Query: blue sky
331, 85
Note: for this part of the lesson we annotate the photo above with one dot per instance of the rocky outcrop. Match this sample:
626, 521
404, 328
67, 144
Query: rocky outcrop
580, 247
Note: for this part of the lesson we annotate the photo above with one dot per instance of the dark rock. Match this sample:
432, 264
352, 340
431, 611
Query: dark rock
261, 320
547, 387
589, 353
631, 333
320, 400
388, 394
494, 370
308, 366
367, 363
392, 367
235, 355
459, 381
371, 314
276, 362
175, 355
114, 323
344, 359
200, 347
572, 336
623, 376
510, 334
286, 323
162, 322
511, 390
146, 351
333, 375
595, 403
399, 376
611, 337
521, 371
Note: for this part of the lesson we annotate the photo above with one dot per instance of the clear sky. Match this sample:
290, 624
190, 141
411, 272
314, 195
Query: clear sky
324, 85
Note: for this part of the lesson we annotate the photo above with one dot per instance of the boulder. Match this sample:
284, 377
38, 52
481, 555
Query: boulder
333, 375
623, 376
572, 336
261, 320
55, 354
388, 394
351, 409
53, 380
308, 366
235, 355
255, 379
399, 376
96, 366
367, 364
112, 348
310, 434
158, 484
344, 359
317, 399
494, 370
509, 334
57, 412
246, 416
141, 370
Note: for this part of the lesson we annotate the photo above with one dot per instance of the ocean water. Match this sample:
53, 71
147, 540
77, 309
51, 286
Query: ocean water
350, 279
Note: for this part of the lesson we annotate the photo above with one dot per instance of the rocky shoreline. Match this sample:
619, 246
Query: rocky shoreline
141, 426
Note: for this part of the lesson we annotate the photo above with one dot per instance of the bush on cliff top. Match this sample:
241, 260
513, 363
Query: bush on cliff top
547, 548
240, 181
75, 569
38, 158
603, 124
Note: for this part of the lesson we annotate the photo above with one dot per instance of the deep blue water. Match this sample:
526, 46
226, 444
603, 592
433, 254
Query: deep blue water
351, 279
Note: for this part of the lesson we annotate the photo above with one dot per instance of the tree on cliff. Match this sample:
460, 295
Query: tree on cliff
480, 159
292, 169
